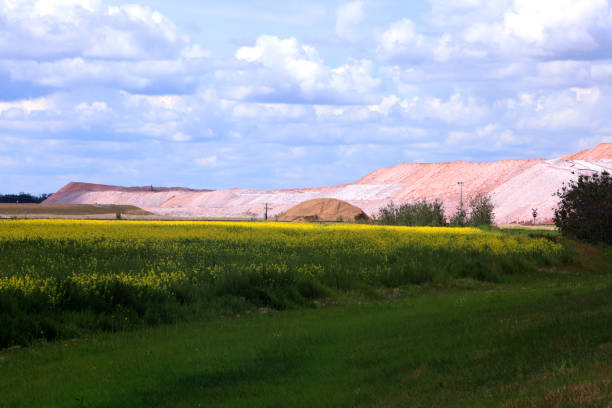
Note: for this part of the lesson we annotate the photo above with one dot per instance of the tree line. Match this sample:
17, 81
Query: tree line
23, 198
584, 210
425, 213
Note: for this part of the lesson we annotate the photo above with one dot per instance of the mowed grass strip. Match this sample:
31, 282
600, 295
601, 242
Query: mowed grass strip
525, 344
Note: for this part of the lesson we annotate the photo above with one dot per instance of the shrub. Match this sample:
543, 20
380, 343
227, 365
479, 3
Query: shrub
585, 208
481, 210
421, 213
459, 219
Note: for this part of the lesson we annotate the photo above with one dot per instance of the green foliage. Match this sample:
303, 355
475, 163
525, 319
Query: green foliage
459, 219
23, 198
481, 210
585, 208
118, 215
420, 213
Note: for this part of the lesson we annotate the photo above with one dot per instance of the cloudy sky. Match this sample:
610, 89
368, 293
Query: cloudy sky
271, 94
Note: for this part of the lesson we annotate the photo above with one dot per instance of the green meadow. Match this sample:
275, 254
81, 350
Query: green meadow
523, 320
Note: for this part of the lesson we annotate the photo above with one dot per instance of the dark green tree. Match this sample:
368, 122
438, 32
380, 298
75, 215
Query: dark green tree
585, 208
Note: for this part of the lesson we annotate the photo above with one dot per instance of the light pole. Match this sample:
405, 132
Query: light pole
461, 189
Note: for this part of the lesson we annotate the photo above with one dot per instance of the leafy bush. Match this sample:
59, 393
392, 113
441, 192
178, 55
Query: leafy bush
421, 213
459, 219
585, 208
481, 210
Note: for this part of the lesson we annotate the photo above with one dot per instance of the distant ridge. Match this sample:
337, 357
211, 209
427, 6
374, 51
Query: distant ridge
516, 186
78, 187
599, 152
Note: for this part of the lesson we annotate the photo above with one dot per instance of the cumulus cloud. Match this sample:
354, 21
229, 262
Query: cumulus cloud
401, 40
549, 29
70, 28
68, 43
291, 71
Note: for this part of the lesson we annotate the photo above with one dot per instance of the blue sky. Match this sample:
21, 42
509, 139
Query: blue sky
275, 94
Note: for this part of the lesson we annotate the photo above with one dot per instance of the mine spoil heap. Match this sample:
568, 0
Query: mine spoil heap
516, 187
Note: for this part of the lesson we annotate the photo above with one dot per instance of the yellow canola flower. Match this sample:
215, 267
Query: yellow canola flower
163, 255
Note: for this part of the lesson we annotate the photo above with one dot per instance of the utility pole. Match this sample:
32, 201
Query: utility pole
266, 212
461, 189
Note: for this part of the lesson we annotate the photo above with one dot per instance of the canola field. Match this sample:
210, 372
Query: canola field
61, 278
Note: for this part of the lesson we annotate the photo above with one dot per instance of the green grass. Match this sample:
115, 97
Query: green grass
536, 342
478, 328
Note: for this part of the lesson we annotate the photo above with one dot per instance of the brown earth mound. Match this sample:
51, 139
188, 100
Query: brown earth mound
323, 209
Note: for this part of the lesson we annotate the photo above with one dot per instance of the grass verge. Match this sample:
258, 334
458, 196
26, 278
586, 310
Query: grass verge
532, 343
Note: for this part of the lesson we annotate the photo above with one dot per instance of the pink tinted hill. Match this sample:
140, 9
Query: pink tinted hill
599, 152
516, 187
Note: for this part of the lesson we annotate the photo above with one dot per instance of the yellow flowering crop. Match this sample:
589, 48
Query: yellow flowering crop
44, 256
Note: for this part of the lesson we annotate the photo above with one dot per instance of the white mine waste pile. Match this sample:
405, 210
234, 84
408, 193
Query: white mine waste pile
516, 187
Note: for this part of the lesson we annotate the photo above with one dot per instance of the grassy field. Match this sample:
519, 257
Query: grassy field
223, 314
50, 210
62, 278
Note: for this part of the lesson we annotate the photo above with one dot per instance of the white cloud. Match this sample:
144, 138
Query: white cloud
28, 106
385, 104
269, 111
569, 110
401, 40
293, 70
458, 109
490, 136
67, 43
549, 28
348, 18
59, 29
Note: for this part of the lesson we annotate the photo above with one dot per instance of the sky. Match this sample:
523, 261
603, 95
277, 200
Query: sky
280, 94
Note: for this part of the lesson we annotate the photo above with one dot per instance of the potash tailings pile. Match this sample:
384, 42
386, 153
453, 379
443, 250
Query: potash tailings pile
324, 209
516, 186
